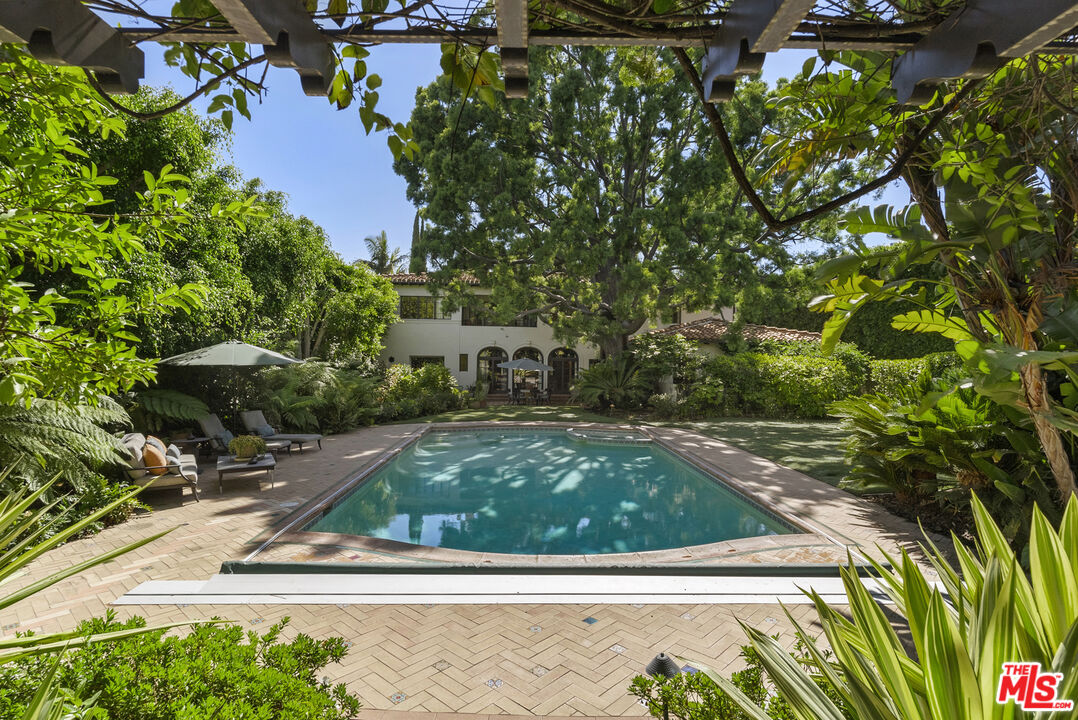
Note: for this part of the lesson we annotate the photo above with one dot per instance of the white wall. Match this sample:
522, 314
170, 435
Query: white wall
448, 338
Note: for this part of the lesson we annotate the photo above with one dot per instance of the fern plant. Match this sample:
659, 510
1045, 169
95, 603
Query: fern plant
49, 438
153, 408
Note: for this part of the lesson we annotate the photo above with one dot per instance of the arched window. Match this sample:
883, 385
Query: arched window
487, 367
528, 352
564, 362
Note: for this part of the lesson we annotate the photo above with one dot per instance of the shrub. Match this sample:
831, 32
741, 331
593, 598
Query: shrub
665, 405
856, 362
209, 673
694, 696
615, 382
660, 356
245, 446
427, 390
770, 385
889, 377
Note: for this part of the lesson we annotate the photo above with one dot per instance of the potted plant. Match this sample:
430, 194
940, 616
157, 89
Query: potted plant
482, 387
245, 447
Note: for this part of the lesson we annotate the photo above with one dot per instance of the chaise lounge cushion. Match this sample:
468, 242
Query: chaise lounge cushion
255, 422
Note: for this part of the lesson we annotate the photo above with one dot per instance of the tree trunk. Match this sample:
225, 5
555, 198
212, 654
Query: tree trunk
1048, 434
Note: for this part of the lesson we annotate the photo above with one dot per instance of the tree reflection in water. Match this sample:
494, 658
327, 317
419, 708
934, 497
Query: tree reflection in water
541, 492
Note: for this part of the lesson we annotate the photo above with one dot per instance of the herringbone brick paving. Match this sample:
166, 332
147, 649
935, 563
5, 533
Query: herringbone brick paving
500, 660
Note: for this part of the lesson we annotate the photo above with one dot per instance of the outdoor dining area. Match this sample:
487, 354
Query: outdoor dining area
526, 381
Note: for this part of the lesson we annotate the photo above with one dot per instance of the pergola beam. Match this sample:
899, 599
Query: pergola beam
974, 41
290, 38
512, 18
751, 29
65, 32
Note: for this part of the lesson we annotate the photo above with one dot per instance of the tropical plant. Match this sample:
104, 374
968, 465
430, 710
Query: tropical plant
383, 260
153, 409
212, 672
931, 455
42, 439
984, 614
615, 382
246, 446
317, 396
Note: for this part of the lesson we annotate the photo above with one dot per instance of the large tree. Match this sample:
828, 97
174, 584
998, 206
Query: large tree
595, 204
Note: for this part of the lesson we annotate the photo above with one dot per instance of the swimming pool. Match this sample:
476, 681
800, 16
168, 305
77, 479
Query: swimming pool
528, 491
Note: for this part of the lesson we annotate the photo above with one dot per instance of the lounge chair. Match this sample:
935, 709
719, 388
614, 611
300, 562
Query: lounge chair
220, 437
255, 421
177, 469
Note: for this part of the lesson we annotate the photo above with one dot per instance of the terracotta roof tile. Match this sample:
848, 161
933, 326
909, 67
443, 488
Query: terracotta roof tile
421, 278
713, 328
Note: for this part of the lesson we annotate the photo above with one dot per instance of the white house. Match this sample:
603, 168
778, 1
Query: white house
469, 345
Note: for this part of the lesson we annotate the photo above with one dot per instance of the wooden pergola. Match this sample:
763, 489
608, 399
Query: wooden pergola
935, 40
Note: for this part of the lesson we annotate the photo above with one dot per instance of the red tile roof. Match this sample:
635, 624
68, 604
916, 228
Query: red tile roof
713, 328
421, 278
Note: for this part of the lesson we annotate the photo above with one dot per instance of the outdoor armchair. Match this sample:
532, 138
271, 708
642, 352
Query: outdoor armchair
256, 423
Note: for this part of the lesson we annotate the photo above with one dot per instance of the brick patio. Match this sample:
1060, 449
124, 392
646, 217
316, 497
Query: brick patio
500, 660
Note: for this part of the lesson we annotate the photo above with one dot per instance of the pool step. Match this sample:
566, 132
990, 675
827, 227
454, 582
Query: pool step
474, 589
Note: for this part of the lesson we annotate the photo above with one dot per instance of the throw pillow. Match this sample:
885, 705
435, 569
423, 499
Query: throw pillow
265, 430
157, 443
154, 459
173, 451
137, 466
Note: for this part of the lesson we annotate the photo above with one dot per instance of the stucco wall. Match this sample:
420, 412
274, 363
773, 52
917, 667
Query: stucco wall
446, 337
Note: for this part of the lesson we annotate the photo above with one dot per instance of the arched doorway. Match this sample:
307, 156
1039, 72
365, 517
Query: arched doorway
564, 361
487, 366
527, 378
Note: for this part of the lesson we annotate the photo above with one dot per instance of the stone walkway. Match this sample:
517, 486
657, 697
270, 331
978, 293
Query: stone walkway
528, 660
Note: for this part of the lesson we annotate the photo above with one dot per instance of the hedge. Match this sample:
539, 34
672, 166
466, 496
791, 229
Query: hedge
887, 376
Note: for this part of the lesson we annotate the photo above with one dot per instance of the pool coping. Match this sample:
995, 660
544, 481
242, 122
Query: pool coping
415, 557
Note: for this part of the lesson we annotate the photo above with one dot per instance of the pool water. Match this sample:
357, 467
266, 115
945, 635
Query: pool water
536, 492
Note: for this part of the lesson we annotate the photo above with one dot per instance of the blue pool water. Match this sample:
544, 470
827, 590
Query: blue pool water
530, 492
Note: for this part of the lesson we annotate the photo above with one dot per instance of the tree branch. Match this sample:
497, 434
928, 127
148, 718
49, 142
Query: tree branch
715, 119
172, 108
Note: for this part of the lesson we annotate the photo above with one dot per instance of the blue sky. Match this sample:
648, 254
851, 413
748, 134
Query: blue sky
333, 173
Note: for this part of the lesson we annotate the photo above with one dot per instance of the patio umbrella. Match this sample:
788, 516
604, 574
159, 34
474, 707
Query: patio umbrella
526, 364
231, 353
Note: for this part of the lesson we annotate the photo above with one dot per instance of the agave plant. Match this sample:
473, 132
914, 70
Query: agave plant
983, 614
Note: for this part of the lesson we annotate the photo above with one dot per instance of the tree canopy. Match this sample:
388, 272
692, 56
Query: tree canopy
596, 204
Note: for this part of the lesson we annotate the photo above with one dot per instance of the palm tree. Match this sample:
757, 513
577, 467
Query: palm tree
382, 259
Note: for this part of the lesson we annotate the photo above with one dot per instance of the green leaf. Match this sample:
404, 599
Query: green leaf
931, 321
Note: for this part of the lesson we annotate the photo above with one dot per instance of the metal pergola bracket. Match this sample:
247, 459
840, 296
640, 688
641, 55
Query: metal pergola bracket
751, 29
290, 38
65, 32
974, 41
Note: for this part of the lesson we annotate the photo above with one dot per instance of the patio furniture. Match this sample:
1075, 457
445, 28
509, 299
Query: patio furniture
255, 421
542, 397
195, 443
176, 470
220, 437
228, 464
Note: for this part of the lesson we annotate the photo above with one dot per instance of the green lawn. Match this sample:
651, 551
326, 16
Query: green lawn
812, 446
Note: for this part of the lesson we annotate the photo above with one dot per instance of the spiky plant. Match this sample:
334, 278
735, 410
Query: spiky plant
614, 382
